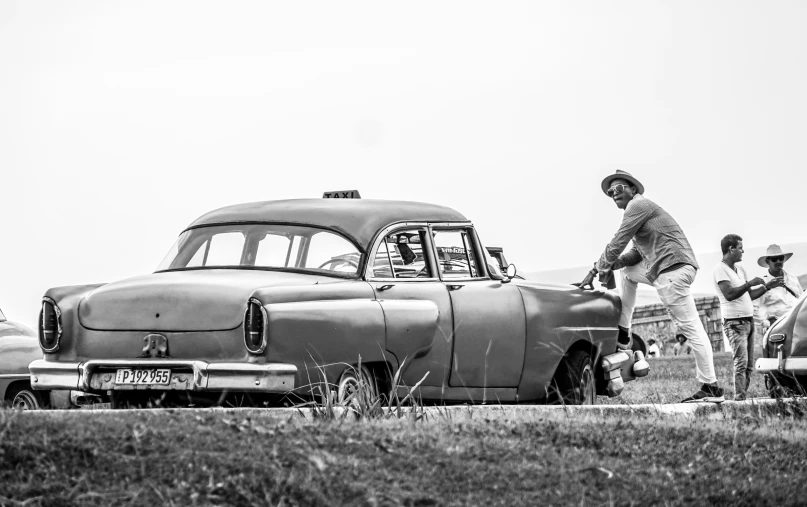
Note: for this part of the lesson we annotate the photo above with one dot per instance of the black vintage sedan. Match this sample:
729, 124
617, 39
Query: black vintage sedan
267, 299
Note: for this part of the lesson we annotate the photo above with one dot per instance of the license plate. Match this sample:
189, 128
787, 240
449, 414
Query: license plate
143, 377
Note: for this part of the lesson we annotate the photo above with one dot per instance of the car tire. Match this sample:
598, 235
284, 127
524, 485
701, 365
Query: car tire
25, 398
783, 387
349, 383
574, 382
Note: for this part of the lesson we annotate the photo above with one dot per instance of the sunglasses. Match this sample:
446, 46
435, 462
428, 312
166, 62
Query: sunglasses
616, 189
778, 258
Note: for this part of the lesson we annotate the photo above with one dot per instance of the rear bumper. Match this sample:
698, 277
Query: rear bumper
796, 365
99, 375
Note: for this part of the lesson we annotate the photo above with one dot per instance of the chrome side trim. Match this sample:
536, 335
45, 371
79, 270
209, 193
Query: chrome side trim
204, 376
790, 365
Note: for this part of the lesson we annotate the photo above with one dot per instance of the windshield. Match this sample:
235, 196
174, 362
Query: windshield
255, 246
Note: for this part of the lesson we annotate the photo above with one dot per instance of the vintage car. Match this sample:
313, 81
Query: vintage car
784, 353
266, 300
18, 347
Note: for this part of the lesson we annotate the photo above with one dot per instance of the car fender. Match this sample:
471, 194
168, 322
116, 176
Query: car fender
68, 298
322, 337
559, 317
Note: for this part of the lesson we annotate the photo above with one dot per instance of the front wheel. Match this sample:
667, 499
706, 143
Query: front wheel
574, 382
25, 398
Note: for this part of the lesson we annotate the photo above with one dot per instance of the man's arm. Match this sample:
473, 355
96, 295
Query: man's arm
732, 293
635, 216
630, 258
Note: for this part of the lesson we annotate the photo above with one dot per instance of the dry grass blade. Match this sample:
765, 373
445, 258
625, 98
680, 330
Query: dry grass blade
362, 398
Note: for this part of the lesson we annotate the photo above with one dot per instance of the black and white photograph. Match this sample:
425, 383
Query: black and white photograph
413, 254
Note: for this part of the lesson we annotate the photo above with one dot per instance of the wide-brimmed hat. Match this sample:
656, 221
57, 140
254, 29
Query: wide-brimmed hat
606, 183
773, 251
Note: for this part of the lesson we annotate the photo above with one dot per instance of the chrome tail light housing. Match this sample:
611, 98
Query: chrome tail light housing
255, 332
50, 326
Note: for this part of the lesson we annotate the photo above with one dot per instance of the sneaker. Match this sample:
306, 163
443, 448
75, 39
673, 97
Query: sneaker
708, 393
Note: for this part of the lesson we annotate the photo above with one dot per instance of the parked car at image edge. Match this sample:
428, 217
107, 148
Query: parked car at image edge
266, 300
784, 353
18, 347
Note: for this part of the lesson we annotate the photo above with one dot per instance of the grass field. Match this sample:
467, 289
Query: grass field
749, 456
672, 379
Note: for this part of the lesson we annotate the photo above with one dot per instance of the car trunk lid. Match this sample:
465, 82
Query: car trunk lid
199, 300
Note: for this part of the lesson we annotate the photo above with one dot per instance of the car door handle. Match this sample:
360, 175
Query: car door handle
455, 287
384, 287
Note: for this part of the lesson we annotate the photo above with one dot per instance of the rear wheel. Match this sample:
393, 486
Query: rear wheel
357, 387
25, 398
780, 386
574, 382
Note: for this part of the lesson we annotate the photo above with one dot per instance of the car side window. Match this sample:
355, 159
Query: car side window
331, 252
400, 255
381, 266
455, 254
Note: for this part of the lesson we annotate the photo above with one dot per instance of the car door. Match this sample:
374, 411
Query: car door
417, 308
489, 325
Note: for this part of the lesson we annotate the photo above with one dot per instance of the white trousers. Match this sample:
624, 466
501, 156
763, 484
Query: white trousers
673, 288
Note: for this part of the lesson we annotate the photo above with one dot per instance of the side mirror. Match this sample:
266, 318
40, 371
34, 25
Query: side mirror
511, 273
2, 317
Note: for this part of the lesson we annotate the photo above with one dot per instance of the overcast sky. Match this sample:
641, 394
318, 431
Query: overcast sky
120, 123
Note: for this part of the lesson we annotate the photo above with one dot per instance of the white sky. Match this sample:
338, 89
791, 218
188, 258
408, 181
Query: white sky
120, 123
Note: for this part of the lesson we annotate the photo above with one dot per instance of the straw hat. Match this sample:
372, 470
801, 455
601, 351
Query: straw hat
773, 251
606, 183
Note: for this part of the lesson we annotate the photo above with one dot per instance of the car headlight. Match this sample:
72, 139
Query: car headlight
50, 326
255, 327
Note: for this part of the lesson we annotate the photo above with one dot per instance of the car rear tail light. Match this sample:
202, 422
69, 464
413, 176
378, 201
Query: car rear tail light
255, 327
50, 326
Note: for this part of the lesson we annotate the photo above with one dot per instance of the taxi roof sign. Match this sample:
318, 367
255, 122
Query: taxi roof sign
342, 194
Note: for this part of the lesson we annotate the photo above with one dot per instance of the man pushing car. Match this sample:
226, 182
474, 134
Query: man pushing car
662, 257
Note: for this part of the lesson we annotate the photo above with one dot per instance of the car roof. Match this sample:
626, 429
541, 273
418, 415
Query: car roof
358, 219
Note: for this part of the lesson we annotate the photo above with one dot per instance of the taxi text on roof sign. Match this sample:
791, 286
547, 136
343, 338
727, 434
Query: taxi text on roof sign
342, 194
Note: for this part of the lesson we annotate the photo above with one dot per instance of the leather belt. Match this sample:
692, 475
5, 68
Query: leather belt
677, 265
739, 319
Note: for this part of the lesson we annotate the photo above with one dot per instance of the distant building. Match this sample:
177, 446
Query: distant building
653, 321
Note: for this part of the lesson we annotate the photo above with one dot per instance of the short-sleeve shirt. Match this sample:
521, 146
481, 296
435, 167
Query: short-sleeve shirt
779, 300
740, 307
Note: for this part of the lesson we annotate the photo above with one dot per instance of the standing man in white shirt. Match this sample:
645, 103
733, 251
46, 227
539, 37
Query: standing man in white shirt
735, 293
777, 302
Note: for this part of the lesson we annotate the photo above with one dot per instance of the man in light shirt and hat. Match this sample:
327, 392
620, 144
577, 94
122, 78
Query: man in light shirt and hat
662, 257
777, 301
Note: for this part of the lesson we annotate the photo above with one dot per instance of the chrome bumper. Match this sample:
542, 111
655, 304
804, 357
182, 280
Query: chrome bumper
185, 375
782, 365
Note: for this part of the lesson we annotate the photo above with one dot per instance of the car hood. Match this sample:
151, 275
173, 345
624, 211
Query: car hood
199, 300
